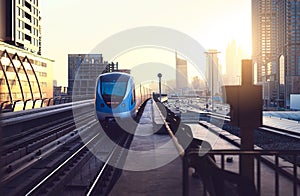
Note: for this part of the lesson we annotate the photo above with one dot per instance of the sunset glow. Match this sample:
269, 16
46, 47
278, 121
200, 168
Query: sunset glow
78, 26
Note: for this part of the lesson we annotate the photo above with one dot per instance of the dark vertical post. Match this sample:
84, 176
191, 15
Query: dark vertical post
212, 82
246, 112
1, 160
247, 95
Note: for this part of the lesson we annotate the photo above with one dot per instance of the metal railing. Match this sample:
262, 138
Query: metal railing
283, 164
17, 105
170, 132
280, 168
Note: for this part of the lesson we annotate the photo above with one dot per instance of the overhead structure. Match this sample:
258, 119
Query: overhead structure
21, 67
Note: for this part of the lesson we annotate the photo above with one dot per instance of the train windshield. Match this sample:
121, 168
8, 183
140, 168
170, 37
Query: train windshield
113, 89
114, 86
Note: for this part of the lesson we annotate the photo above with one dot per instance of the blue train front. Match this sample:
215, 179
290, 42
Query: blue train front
115, 97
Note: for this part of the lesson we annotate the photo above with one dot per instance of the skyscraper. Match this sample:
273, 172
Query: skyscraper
234, 56
181, 73
213, 72
21, 24
292, 50
276, 49
25, 74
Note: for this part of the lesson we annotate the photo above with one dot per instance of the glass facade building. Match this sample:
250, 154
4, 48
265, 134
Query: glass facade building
83, 70
24, 74
275, 52
21, 24
292, 52
181, 74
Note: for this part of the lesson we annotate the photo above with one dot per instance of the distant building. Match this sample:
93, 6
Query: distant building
54, 82
276, 49
83, 70
20, 23
59, 91
25, 74
292, 50
114, 67
181, 74
213, 72
234, 56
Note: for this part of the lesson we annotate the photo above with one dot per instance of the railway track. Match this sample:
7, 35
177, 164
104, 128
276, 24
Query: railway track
23, 145
223, 121
281, 132
59, 157
31, 143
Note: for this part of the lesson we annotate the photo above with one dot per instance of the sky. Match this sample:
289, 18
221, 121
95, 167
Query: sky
77, 26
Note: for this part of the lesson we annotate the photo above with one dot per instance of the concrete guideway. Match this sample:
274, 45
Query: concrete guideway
166, 179
282, 123
154, 167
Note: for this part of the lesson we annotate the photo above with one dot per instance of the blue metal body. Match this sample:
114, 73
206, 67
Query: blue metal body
115, 96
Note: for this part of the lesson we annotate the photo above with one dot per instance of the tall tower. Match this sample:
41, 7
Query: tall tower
181, 73
26, 75
213, 72
20, 24
276, 48
233, 64
292, 50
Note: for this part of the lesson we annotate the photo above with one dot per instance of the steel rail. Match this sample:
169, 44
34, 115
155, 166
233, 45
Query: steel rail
102, 169
59, 167
32, 158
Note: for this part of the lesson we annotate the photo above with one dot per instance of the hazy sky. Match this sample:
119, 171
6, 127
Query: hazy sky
77, 26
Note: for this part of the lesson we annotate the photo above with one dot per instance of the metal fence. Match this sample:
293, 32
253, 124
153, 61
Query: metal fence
17, 105
275, 173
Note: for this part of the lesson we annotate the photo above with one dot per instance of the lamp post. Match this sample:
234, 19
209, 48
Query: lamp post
159, 75
206, 96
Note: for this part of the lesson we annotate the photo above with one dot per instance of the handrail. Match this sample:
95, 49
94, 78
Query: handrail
47, 101
175, 140
288, 171
3, 103
25, 102
254, 152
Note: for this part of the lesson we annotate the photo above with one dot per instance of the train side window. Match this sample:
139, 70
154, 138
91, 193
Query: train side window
133, 96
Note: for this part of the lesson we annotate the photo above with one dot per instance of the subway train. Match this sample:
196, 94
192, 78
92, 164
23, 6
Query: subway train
117, 97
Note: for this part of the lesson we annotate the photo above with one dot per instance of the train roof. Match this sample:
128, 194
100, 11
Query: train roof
116, 73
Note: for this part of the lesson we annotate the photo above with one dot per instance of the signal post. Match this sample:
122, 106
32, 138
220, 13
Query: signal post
246, 113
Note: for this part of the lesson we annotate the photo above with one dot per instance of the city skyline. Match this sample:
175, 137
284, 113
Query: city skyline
276, 39
78, 27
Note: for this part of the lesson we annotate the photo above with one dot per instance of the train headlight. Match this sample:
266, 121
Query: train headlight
123, 105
